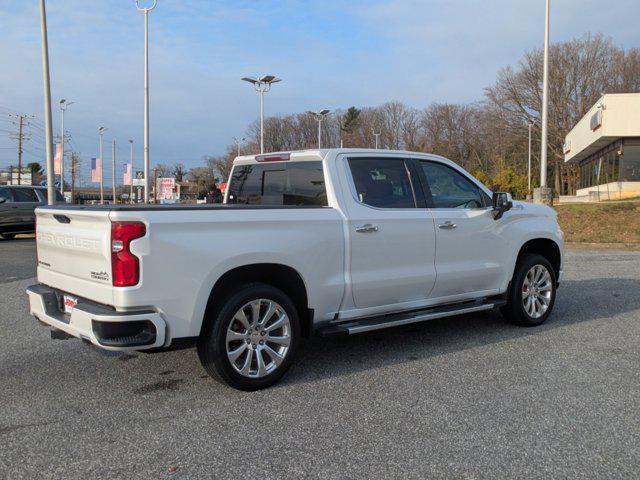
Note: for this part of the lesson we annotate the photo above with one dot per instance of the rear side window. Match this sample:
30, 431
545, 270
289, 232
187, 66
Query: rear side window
382, 182
5, 195
278, 183
24, 195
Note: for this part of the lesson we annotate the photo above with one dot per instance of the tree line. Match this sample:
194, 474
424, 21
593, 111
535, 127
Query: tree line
488, 137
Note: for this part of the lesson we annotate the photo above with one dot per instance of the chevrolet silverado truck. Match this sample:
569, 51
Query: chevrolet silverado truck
328, 242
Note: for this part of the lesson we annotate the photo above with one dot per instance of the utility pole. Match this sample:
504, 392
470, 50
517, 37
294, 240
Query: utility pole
320, 115
544, 195
113, 169
20, 124
131, 176
75, 163
146, 95
48, 132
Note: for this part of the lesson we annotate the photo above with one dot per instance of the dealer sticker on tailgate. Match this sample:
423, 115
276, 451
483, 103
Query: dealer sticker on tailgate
69, 303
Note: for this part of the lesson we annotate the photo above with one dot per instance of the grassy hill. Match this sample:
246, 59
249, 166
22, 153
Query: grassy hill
615, 222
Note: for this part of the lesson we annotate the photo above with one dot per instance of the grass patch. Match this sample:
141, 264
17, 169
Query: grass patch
600, 222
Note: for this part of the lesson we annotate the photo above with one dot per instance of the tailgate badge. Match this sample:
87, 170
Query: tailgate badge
104, 276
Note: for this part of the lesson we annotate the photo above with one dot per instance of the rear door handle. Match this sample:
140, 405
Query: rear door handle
367, 227
447, 225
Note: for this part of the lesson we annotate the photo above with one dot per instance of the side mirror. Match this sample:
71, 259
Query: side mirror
502, 202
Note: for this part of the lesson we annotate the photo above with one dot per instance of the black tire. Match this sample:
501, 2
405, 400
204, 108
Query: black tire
212, 345
7, 236
514, 311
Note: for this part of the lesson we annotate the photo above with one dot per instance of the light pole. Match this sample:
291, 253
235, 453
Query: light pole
319, 116
146, 95
530, 124
262, 86
377, 136
544, 195
48, 131
131, 175
101, 131
63, 108
238, 142
113, 169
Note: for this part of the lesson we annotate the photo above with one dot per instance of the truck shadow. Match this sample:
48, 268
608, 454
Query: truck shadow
577, 302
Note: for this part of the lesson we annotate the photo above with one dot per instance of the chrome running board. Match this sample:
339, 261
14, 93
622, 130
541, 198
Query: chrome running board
352, 327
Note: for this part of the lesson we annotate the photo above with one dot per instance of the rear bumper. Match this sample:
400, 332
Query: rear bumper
103, 327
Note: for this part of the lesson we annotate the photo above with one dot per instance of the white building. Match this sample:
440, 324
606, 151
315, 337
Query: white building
605, 144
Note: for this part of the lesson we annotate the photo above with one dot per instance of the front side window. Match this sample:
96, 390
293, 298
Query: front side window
278, 183
24, 195
5, 195
449, 188
382, 182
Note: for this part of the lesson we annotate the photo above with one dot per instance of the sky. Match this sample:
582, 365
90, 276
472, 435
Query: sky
330, 54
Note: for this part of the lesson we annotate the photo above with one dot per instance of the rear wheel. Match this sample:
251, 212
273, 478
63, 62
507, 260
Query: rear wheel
7, 236
250, 340
532, 292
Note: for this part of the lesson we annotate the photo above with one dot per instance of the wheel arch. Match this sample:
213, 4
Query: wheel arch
281, 276
546, 247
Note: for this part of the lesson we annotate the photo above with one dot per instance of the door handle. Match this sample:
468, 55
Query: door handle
367, 227
447, 225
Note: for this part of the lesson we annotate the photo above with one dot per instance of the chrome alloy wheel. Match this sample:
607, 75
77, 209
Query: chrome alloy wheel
537, 289
258, 338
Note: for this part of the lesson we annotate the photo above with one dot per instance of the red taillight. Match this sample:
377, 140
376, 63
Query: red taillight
125, 266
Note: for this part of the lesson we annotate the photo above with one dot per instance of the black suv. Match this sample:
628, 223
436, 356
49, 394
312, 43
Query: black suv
17, 205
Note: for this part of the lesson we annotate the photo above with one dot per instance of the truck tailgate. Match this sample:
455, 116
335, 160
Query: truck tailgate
74, 252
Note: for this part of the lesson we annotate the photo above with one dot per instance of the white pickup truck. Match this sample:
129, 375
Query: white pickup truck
329, 242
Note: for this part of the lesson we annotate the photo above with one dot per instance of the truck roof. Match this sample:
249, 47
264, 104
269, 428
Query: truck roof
316, 154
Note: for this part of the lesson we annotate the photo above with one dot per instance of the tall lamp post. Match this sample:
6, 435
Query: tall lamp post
48, 131
377, 137
320, 115
262, 86
530, 124
238, 142
146, 95
101, 131
544, 195
63, 108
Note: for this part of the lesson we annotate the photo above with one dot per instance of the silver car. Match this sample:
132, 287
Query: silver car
17, 205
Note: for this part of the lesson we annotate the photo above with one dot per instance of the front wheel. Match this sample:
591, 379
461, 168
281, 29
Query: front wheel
532, 292
251, 339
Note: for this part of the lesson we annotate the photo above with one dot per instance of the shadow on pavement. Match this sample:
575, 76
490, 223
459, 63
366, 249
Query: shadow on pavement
577, 302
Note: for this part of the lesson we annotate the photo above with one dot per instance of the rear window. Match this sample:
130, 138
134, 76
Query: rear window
24, 195
278, 183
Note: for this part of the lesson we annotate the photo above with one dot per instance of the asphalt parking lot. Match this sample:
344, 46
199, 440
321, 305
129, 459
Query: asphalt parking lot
467, 397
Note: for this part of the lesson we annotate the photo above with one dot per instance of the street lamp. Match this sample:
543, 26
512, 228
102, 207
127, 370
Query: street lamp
48, 131
238, 142
262, 85
63, 108
146, 95
101, 131
319, 116
530, 124
377, 136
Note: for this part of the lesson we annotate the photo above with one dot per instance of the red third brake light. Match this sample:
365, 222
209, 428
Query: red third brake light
273, 157
125, 266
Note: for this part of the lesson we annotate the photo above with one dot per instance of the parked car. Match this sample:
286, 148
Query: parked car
328, 242
17, 205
